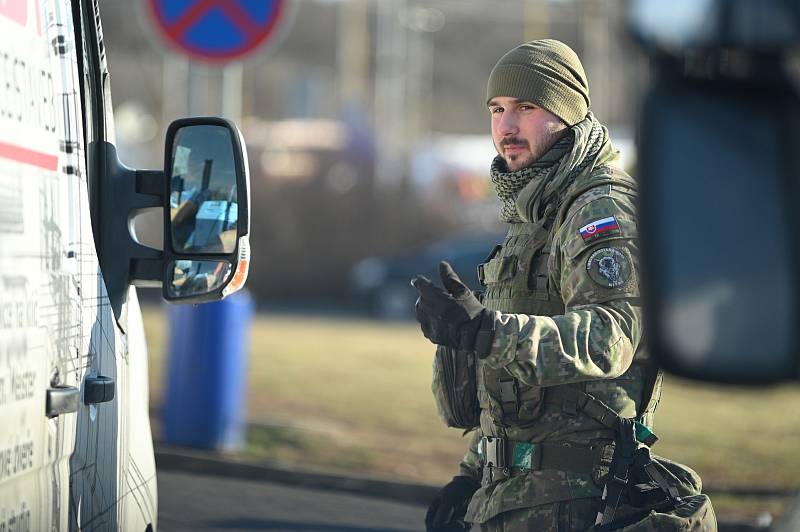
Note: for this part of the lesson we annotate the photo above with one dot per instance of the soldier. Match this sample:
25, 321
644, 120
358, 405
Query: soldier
560, 316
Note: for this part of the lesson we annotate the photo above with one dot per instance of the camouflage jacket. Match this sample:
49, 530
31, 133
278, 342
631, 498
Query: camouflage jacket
567, 313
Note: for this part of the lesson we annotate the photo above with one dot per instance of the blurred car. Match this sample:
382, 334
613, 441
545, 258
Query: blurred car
382, 284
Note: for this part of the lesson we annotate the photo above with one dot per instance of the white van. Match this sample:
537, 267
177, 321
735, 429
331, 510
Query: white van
75, 443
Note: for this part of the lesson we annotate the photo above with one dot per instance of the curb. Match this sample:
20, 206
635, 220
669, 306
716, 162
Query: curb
179, 459
200, 462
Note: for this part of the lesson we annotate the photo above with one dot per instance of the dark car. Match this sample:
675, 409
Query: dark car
383, 283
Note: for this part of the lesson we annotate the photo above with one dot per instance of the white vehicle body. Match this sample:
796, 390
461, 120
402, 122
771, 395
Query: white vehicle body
93, 468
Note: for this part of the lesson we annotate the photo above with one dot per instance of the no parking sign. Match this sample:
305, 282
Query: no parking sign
218, 30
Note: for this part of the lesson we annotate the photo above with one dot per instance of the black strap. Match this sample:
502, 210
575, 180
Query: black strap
627, 461
570, 397
563, 458
652, 376
618, 475
503, 453
509, 397
656, 475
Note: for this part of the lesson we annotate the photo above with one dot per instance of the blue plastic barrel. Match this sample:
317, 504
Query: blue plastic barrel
204, 404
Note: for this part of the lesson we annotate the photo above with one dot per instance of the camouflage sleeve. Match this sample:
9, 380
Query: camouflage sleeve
470, 465
594, 266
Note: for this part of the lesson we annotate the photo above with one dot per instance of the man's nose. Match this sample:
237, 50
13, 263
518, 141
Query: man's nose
508, 124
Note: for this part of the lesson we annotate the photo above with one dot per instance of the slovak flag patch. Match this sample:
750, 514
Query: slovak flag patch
605, 226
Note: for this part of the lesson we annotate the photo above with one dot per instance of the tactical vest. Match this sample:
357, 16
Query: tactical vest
516, 280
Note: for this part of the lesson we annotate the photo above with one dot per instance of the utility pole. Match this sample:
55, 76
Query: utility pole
353, 52
595, 28
390, 96
422, 22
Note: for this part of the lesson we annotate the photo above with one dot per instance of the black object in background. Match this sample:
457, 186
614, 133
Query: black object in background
719, 166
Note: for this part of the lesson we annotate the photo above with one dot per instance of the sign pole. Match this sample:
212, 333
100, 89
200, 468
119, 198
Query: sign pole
174, 88
232, 91
205, 407
191, 90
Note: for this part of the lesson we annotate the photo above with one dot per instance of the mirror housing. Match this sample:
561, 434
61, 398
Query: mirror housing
125, 191
222, 182
718, 188
718, 167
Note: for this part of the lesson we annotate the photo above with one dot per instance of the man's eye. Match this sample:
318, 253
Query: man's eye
496, 110
526, 107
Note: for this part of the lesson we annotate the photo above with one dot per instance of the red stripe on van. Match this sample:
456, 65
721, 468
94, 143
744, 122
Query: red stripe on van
16, 10
38, 18
26, 156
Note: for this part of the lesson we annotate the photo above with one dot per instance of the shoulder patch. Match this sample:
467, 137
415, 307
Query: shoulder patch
609, 267
602, 227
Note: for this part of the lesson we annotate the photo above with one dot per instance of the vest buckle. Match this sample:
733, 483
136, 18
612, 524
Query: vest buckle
509, 396
492, 452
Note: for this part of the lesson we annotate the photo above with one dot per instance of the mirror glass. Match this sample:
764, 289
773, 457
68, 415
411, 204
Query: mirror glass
197, 277
717, 232
203, 197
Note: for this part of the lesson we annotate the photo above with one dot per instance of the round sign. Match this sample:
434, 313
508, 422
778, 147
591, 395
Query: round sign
218, 30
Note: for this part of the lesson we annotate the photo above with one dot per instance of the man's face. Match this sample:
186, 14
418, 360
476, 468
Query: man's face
521, 131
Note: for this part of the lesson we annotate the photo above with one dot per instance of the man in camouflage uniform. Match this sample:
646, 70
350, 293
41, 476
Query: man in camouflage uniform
560, 316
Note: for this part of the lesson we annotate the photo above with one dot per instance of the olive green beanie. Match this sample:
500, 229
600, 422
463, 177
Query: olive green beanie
547, 73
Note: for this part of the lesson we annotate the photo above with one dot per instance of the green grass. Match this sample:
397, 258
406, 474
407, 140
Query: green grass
354, 395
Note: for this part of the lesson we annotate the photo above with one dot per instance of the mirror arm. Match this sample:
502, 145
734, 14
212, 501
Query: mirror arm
151, 182
147, 272
124, 261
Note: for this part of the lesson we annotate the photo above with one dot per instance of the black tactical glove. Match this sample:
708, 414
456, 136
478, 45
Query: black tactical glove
453, 318
446, 512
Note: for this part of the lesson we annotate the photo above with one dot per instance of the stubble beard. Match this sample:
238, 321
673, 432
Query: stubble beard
516, 162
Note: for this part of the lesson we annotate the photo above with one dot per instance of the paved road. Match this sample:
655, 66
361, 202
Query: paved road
188, 501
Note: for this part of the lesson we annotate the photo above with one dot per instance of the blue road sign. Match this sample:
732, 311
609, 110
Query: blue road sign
218, 30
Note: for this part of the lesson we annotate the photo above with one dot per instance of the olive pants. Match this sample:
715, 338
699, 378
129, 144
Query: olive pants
567, 516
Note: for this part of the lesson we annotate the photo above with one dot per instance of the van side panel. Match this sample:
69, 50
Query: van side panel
41, 199
91, 469
113, 446
138, 492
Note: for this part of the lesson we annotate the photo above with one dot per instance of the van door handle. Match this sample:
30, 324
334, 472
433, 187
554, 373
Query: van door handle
98, 390
62, 400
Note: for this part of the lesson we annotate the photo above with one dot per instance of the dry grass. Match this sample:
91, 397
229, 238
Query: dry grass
355, 395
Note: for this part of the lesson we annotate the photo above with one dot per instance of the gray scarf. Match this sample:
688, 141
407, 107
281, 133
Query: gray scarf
521, 192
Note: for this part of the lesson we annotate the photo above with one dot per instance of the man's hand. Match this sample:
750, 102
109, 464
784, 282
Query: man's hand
453, 317
446, 512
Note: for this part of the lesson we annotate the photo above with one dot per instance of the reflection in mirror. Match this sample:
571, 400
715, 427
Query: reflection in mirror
203, 199
197, 277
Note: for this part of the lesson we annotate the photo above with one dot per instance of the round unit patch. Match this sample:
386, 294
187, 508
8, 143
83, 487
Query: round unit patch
609, 267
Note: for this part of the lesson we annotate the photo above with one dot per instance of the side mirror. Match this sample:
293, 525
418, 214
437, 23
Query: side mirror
207, 219
718, 165
204, 191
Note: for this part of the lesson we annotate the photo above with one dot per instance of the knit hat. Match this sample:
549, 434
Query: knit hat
547, 73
